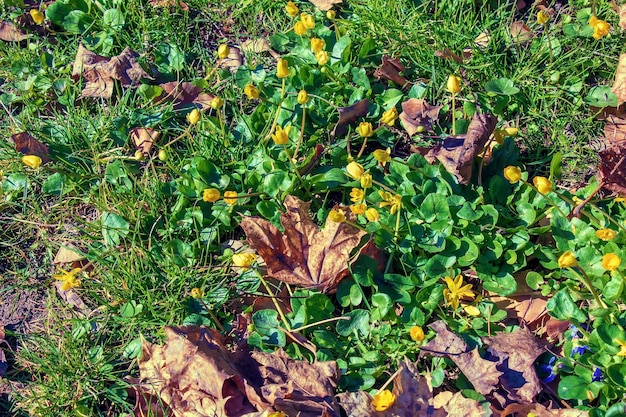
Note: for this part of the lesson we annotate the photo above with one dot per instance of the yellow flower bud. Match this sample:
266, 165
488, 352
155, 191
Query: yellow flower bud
197, 293
417, 333
513, 174
303, 97
322, 57
281, 136
389, 117
366, 180
244, 260
365, 129
337, 216
568, 259
282, 68
308, 20
358, 209
230, 197
216, 103
291, 8
299, 28
223, 51
511, 131
542, 17
355, 170
139, 155
251, 92
317, 45
472, 310
31, 161
605, 234
544, 185
37, 16
611, 262
382, 156
372, 214
383, 400
330, 15
454, 84
193, 117
211, 195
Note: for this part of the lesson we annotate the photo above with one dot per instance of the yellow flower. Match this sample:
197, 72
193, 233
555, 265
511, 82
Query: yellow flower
317, 45
308, 20
230, 197
605, 234
299, 28
454, 84
223, 51
394, 201
322, 57
471, 310
456, 290
282, 68
31, 161
372, 214
568, 259
542, 17
211, 195
611, 262
337, 216
389, 117
278, 413
357, 195
544, 185
417, 333
382, 156
355, 170
303, 97
622, 346
513, 174
216, 103
330, 15
358, 209
600, 27
366, 180
281, 136
244, 260
193, 117
37, 16
251, 92
383, 400
69, 279
500, 134
365, 129
197, 293
291, 8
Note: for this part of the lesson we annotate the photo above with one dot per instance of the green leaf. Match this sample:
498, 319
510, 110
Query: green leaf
391, 97
439, 264
573, 387
601, 96
149, 92
534, 280
341, 50
132, 348
130, 309
114, 227
359, 321
502, 283
277, 182
501, 87
435, 206
562, 307
113, 19
359, 77
68, 14
182, 252
613, 289
266, 323
382, 303
77, 22
54, 184
556, 166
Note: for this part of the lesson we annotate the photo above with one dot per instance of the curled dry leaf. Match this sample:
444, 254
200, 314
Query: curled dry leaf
183, 94
417, 114
325, 5
144, 138
619, 85
521, 33
68, 253
233, 61
540, 411
390, 69
9, 33
622, 16
303, 255
26, 144
448, 54
256, 46
349, 115
457, 405
457, 154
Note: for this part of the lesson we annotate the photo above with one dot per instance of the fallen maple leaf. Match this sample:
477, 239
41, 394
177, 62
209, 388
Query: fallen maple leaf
457, 154
9, 33
349, 115
619, 85
26, 144
417, 115
390, 69
325, 5
144, 138
303, 255
182, 94
455, 404
540, 411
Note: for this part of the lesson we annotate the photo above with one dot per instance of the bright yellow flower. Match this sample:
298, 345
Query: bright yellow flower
372, 214
605, 234
282, 68
197, 293
281, 136
568, 259
513, 174
382, 156
308, 20
389, 117
544, 185
365, 129
322, 57
358, 209
456, 290
291, 8
355, 170
223, 51
500, 134
454, 84
299, 28
383, 400
317, 45
337, 216
216, 103
31, 161
600, 27
303, 97
37, 16
244, 260
69, 279
330, 15
251, 92
211, 195
193, 117
611, 262
278, 413
471, 310
417, 333
542, 17
357, 195
394, 201
622, 346
230, 197
366, 180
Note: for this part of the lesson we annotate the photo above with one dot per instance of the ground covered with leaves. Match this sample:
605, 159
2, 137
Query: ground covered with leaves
325, 208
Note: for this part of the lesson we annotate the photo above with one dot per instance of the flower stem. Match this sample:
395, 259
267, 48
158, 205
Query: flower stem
552, 203
317, 323
295, 152
280, 103
273, 297
589, 286
213, 316
453, 114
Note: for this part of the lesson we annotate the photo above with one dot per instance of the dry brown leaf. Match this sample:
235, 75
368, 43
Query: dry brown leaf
349, 115
521, 33
169, 4
614, 131
457, 154
555, 329
457, 405
233, 61
540, 411
417, 114
448, 54
4, 365
325, 5
26, 144
9, 33
303, 255
256, 46
482, 40
69, 296
144, 138
68, 253
613, 169
183, 94
622, 16
390, 69
619, 85
100, 73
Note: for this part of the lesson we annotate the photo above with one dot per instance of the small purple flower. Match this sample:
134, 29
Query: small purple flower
550, 369
579, 350
597, 375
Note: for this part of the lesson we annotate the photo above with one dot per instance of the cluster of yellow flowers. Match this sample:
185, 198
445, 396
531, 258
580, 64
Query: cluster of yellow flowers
514, 174
211, 195
610, 261
306, 23
600, 27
